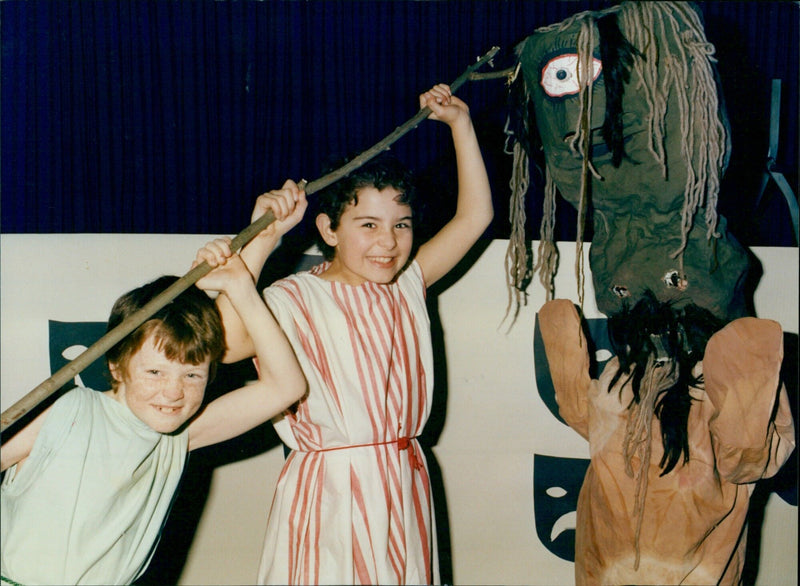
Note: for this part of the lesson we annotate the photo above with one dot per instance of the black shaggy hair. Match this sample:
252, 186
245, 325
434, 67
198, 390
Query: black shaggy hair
684, 334
617, 55
522, 119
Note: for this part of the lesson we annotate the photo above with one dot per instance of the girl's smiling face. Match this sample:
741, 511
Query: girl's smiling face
162, 393
373, 240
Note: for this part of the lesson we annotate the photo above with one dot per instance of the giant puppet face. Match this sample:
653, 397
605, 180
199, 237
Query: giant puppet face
642, 149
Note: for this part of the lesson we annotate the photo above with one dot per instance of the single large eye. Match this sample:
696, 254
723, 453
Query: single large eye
560, 75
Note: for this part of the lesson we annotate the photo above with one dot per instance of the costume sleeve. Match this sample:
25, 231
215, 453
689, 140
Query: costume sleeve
751, 435
568, 358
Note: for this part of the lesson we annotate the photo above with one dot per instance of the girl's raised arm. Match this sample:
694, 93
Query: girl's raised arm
474, 209
280, 380
288, 204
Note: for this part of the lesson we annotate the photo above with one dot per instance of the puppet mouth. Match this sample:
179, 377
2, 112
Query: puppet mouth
600, 150
599, 147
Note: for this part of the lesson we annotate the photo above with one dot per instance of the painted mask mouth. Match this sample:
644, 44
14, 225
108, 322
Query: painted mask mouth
600, 148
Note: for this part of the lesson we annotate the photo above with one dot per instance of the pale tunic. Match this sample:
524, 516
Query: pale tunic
89, 503
740, 429
353, 502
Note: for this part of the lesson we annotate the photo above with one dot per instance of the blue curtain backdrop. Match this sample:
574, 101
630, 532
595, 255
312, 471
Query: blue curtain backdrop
170, 117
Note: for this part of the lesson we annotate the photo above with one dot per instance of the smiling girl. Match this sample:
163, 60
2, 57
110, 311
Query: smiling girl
353, 503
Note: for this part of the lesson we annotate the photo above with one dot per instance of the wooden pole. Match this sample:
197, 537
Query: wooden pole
105, 343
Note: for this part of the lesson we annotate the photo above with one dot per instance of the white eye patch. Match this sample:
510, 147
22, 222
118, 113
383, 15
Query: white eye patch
560, 75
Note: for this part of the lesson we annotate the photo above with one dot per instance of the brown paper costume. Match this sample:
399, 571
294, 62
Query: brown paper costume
636, 524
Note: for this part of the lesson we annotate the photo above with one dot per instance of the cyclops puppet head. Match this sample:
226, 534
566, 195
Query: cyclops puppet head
624, 106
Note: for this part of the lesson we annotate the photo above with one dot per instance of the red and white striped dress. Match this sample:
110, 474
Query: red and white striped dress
353, 503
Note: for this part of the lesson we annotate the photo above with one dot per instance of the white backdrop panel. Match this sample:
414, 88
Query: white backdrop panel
495, 419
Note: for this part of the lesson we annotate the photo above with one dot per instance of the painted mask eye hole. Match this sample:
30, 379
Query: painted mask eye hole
620, 291
560, 75
673, 280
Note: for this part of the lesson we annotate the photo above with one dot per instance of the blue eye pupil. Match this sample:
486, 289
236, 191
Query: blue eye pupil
561, 74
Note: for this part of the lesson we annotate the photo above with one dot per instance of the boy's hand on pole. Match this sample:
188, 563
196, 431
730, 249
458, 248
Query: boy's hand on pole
229, 271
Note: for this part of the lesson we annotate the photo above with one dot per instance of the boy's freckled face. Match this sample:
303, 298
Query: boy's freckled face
162, 393
373, 240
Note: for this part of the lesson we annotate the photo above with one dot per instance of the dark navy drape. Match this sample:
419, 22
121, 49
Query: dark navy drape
170, 117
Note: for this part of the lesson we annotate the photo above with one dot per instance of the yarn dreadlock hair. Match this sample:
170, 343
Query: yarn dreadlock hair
689, 73
524, 143
654, 329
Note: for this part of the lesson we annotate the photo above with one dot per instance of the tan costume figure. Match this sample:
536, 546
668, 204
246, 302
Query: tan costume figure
636, 526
